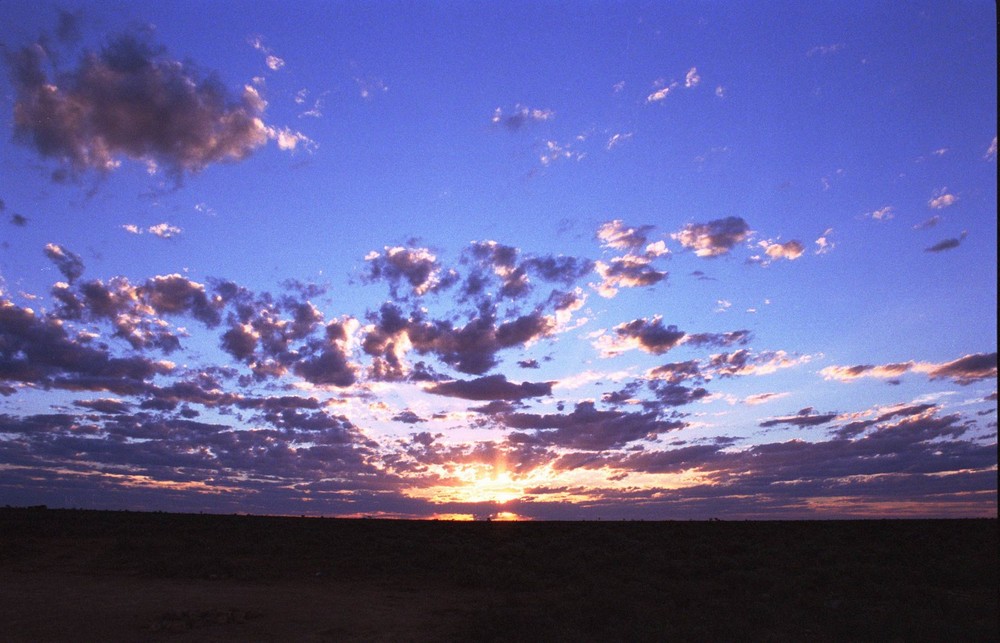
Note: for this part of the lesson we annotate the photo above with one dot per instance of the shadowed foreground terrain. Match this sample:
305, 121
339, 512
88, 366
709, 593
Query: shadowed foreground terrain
88, 575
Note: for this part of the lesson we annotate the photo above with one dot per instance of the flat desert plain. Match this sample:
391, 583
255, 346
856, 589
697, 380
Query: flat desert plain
69, 575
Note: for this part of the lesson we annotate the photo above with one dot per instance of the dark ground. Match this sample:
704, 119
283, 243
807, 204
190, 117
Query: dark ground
109, 576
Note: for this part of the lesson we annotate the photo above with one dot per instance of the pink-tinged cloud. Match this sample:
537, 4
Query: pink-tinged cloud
615, 234
790, 250
942, 199
964, 370
714, 238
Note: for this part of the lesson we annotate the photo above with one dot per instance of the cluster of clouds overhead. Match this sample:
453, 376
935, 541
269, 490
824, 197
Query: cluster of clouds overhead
282, 417
130, 100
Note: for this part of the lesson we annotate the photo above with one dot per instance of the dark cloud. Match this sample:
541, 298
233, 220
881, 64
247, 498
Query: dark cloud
130, 100
132, 310
470, 348
652, 336
677, 372
528, 363
964, 370
968, 369
740, 337
69, 264
947, 244
586, 428
630, 271
744, 362
804, 418
559, 269
326, 361
674, 395
37, 350
105, 406
491, 387
408, 417
713, 238
494, 261
18, 220
495, 407
418, 268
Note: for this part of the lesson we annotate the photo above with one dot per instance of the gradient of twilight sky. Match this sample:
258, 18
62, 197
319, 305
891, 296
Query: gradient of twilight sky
539, 260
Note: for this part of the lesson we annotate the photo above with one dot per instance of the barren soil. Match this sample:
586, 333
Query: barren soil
70, 575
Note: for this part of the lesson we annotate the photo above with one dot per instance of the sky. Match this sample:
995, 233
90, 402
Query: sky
520, 260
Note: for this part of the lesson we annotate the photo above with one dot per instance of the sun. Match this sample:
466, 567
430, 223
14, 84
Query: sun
476, 483
499, 487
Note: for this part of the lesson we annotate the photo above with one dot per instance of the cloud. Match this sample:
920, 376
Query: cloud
470, 348
790, 250
677, 372
744, 362
661, 91
586, 428
164, 230
928, 223
731, 338
991, 151
133, 309
763, 398
418, 267
408, 417
68, 263
823, 243
964, 370
692, 79
521, 116
615, 234
946, 244
105, 405
39, 351
882, 214
649, 335
714, 238
273, 62
803, 419
653, 337
630, 271
825, 50
492, 259
617, 139
328, 364
490, 388
942, 199
131, 100
553, 151
161, 230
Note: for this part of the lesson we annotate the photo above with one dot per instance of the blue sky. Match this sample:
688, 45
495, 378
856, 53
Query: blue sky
534, 260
